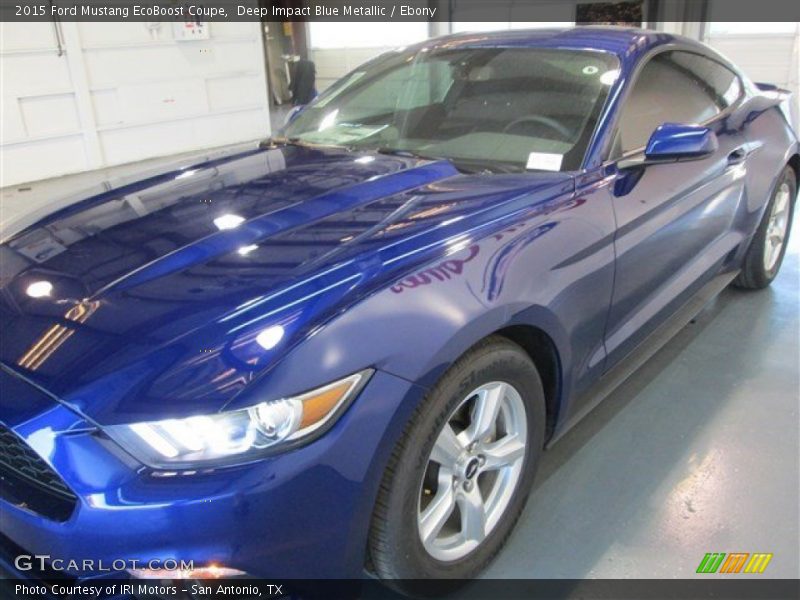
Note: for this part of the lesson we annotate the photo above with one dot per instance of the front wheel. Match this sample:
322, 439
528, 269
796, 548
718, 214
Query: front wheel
459, 477
765, 255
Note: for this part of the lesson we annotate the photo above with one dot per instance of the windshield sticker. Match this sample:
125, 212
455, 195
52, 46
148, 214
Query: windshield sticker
544, 161
590, 70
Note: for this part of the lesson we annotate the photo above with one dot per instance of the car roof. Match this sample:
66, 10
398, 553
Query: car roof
627, 42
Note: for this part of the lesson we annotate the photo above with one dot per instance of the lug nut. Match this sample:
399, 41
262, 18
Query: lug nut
481, 460
467, 485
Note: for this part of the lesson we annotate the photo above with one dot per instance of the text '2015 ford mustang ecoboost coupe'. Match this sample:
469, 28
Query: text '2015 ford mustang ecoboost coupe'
346, 349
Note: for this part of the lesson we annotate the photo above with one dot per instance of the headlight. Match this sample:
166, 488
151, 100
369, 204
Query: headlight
240, 435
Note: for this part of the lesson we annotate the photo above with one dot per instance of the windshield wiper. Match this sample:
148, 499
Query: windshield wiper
394, 151
274, 142
464, 165
400, 152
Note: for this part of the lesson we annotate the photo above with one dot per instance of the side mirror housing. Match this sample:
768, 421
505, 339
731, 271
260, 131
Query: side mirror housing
673, 141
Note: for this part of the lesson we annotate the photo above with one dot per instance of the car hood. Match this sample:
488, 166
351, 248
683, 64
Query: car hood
170, 295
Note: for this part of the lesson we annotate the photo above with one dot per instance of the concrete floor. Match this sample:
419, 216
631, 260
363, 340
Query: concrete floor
698, 452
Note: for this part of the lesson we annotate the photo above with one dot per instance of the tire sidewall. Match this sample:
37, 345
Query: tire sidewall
764, 276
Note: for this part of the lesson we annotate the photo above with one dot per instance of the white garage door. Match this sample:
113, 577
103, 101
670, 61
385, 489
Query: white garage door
89, 95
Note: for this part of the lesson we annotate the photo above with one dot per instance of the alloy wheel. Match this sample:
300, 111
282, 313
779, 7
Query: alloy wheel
473, 470
776, 227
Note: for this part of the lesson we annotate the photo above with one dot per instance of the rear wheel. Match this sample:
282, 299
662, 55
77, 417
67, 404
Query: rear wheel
459, 477
765, 255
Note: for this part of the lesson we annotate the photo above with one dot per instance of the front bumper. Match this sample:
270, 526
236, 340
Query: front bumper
303, 514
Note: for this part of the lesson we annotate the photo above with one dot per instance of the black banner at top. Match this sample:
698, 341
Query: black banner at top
608, 11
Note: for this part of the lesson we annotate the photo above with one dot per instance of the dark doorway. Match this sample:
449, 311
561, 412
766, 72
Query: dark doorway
610, 13
285, 43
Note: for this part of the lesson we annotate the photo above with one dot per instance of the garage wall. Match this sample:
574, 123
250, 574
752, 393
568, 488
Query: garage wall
121, 92
769, 58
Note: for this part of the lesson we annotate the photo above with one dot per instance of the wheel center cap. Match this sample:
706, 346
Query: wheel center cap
471, 469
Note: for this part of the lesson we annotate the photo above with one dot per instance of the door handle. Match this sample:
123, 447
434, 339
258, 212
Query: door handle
738, 156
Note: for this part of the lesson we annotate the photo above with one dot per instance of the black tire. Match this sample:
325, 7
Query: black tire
396, 550
754, 274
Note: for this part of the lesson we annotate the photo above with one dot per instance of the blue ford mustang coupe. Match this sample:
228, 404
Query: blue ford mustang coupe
347, 349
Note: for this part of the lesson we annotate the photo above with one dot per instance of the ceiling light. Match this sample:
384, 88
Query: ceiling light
245, 250
270, 337
39, 289
228, 221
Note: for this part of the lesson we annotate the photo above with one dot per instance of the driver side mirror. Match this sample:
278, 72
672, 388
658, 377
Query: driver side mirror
672, 142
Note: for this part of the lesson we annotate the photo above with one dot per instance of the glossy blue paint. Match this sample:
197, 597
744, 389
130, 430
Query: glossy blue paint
678, 141
160, 288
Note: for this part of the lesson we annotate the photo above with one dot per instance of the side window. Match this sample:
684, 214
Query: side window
674, 87
721, 83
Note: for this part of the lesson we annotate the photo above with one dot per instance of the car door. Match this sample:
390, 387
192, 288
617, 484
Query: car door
673, 219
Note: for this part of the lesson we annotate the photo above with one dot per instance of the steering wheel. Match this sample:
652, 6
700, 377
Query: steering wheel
551, 124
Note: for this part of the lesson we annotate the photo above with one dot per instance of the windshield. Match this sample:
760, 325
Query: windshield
502, 109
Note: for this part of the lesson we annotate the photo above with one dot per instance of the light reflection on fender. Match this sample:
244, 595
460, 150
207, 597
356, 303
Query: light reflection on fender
498, 263
501, 260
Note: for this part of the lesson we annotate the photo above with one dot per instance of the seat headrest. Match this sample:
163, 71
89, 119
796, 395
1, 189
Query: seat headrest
483, 73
